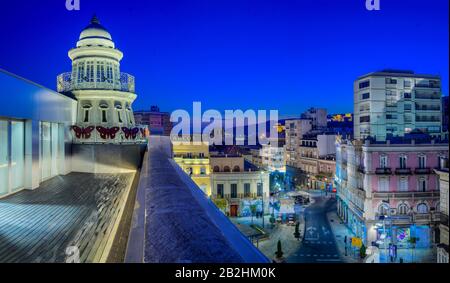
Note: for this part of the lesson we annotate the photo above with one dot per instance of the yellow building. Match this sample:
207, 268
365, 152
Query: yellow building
193, 158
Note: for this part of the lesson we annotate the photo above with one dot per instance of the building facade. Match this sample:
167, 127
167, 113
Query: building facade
273, 157
390, 182
193, 158
239, 187
295, 129
35, 141
318, 117
442, 248
157, 122
394, 103
105, 95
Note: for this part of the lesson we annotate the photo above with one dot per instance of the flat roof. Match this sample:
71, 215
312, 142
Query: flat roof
398, 73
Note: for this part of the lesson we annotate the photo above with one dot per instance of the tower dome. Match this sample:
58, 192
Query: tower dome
95, 35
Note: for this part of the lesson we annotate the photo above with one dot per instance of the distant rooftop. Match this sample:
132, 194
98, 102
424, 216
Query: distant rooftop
398, 73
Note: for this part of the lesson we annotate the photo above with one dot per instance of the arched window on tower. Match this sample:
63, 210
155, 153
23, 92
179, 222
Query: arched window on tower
104, 111
118, 106
86, 108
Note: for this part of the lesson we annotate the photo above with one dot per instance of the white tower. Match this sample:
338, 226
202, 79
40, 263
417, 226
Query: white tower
104, 94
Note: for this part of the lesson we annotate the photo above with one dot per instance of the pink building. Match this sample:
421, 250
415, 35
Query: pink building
389, 188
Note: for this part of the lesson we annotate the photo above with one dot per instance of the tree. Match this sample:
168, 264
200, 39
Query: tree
297, 232
253, 208
279, 252
221, 203
362, 251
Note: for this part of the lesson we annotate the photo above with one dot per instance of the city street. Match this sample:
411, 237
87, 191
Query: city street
318, 244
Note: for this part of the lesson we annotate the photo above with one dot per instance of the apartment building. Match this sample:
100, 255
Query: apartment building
239, 185
318, 117
442, 248
272, 157
295, 129
193, 158
391, 181
316, 159
158, 122
394, 103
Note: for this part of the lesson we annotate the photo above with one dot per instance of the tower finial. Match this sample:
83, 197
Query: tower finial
94, 19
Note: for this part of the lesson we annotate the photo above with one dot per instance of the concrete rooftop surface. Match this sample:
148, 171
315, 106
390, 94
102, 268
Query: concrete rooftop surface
175, 222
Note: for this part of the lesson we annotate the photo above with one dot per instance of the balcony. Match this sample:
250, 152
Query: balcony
443, 219
66, 84
403, 171
406, 195
422, 171
383, 171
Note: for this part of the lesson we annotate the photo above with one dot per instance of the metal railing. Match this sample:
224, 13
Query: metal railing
65, 83
406, 195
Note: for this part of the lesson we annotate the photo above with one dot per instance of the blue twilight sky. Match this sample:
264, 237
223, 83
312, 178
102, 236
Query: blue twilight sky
235, 54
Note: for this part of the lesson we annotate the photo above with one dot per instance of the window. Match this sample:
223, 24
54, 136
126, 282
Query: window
364, 84
90, 71
216, 169
407, 84
201, 155
391, 116
422, 208
383, 184
407, 107
80, 77
391, 81
259, 191
407, 95
364, 119
403, 184
422, 162
226, 169
220, 190
109, 72
202, 171
86, 115
104, 119
233, 190
101, 72
402, 162
364, 107
119, 118
422, 185
383, 209
246, 190
236, 169
365, 95
383, 161
403, 209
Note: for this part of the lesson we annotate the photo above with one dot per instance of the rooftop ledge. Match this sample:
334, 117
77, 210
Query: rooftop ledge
175, 222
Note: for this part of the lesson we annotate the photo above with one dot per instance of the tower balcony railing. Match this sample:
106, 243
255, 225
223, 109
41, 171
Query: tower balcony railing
65, 83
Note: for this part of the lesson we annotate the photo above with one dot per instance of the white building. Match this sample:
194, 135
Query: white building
273, 157
105, 95
34, 134
240, 187
396, 102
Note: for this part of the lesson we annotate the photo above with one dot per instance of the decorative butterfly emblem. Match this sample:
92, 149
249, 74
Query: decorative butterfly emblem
81, 132
130, 132
107, 133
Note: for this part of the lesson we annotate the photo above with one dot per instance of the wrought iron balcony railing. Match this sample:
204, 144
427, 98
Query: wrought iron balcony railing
383, 171
403, 171
65, 83
422, 171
